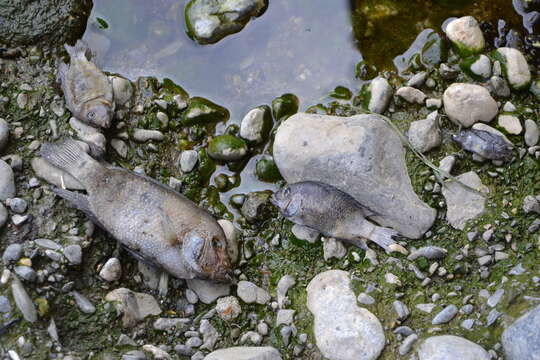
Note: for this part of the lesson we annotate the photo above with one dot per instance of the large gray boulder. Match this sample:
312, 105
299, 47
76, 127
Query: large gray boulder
521, 340
343, 330
209, 21
245, 353
449, 347
360, 155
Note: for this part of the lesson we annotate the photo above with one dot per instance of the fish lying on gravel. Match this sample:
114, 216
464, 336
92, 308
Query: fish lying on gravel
484, 143
88, 91
333, 213
154, 223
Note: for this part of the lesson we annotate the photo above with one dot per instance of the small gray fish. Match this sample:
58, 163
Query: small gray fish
154, 223
333, 213
88, 91
484, 143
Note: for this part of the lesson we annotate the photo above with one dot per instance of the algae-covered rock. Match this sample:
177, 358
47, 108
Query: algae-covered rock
25, 22
515, 67
285, 106
227, 148
201, 111
209, 21
477, 66
466, 36
256, 205
267, 170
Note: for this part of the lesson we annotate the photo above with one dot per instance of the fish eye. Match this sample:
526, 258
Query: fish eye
91, 114
287, 191
216, 243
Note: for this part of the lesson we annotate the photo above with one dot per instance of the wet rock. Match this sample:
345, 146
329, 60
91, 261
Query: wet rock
463, 204
228, 308
111, 270
411, 95
466, 104
73, 254
122, 90
285, 106
354, 154
188, 160
7, 181
333, 248
256, 124
510, 123
251, 293
425, 134
256, 205
12, 253
23, 301
227, 148
445, 315
515, 67
201, 111
380, 94
342, 330
208, 291
90, 135
23, 23
83, 303
54, 175
466, 36
209, 21
3, 215
449, 347
245, 353
144, 135
521, 340
266, 169
532, 133
4, 134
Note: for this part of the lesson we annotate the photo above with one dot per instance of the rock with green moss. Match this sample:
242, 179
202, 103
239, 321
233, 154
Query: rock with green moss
477, 66
257, 123
209, 21
266, 169
202, 111
227, 148
466, 36
515, 67
31, 22
256, 206
285, 106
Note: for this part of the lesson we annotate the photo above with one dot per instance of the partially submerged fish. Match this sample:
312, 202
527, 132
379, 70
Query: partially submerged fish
484, 143
87, 89
333, 213
156, 224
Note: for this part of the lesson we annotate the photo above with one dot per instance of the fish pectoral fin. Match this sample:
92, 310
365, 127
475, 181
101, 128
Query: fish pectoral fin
145, 260
168, 229
79, 201
62, 72
368, 212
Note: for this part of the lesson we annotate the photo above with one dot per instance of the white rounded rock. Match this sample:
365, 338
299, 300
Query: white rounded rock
380, 95
510, 123
515, 67
112, 270
466, 35
449, 347
466, 104
343, 330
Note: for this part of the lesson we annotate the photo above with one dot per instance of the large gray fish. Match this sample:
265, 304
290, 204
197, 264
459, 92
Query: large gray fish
87, 89
333, 213
484, 143
156, 224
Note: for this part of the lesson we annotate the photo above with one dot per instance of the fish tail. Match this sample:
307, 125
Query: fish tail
70, 157
383, 237
79, 50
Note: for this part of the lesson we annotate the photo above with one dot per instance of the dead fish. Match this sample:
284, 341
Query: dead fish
154, 223
88, 91
332, 212
484, 143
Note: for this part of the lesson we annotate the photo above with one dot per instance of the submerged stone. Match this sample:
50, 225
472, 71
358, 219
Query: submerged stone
257, 123
360, 155
227, 148
201, 111
284, 106
267, 170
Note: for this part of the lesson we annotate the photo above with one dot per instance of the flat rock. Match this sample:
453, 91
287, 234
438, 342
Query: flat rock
380, 95
465, 35
521, 340
515, 67
425, 134
449, 347
251, 293
462, 203
208, 291
466, 104
54, 175
245, 353
7, 181
343, 330
360, 155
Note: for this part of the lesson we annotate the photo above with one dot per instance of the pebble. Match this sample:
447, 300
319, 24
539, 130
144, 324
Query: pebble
120, 147
162, 118
466, 104
22, 100
403, 330
251, 293
392, 279
411, 95
48, 244
83, 303
467, 324
4, 134
73, 254
284, 284
407, 344
23, 301
466, 35
209, 334
144, 135
7, 181
510, 123
245, 353
517, 270
12, 253
208, 291
428, 252
447, 163
495, 298
188, 160
26, 273
365, 299
18, 220
482, 67
133, 355
305, 233
499, 87
445, 315
380, 95
228, 308
516, 68
169, 324
256, 124
285, 317
111, 270
5, 305
401, 310
156, 352
418, 79
262, 328
532, 132
17, 205
425, 135
333, 248
433, 103
492, 317
449, 347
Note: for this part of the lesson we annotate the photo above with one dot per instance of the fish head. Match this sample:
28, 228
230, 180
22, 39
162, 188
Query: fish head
98, 113
287, 200
460, 137
206, 254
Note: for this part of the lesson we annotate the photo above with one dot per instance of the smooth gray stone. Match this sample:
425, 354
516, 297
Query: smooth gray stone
449, 347
521, 340
7, 181
23, 301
